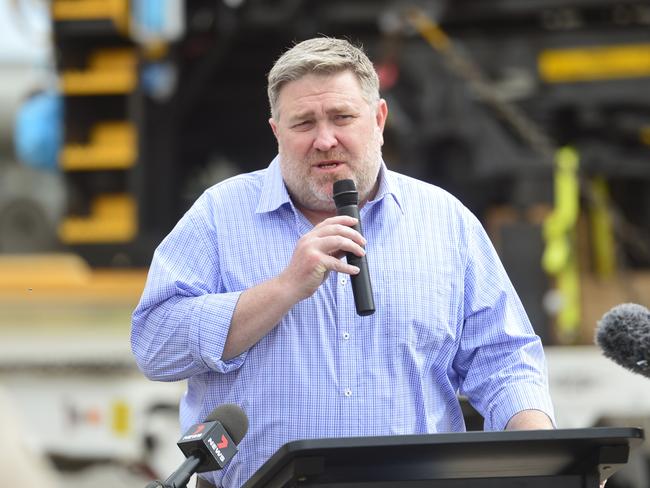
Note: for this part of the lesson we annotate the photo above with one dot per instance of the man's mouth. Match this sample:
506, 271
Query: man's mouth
328, 164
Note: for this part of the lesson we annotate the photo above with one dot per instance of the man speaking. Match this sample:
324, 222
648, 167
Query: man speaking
249, 297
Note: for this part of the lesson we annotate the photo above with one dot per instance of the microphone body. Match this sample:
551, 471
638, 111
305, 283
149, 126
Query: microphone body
346, 200
623, 335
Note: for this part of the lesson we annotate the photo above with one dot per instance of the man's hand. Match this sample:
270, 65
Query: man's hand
320, 251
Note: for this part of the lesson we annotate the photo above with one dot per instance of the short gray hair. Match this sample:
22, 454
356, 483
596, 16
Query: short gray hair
322, 55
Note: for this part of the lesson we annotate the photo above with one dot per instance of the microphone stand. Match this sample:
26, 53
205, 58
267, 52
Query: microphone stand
180, 477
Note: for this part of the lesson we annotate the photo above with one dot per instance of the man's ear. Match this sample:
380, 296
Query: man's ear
380, 117
274, 127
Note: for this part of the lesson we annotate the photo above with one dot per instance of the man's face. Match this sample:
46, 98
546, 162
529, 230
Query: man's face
326, 131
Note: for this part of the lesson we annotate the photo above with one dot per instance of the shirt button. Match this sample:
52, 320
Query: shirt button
346, 335
348, 392
343, 281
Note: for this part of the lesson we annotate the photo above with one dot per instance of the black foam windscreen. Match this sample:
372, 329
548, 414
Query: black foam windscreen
233, 419
623, 334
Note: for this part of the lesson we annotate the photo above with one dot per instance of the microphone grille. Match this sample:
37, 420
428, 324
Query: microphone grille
344, 186
345, 193
233, 419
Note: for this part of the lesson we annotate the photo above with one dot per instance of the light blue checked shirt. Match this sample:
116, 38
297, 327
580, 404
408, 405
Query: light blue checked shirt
448, 321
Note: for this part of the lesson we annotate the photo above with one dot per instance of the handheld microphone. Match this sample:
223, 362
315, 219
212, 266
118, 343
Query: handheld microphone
209, 445
623, 335
346, 200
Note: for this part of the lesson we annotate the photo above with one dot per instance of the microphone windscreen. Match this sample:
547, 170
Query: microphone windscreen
623, 334
233, 419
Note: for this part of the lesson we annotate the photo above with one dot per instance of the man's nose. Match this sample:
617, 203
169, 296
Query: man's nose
325, 138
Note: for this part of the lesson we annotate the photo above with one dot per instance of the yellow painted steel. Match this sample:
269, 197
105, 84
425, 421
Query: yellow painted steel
29, 282
26, 271
113, 219
116, 11
429, 30
121, 418
644, 136
155, 50
112, 145
594, 63
559, 259
602, 234
109, 71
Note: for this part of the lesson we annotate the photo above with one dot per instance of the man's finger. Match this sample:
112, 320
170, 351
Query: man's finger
331, 245
340, 266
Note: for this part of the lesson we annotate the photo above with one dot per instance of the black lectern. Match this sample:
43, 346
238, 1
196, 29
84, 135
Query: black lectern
562, 458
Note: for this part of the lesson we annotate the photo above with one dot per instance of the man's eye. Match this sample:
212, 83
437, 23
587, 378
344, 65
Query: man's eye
301, 124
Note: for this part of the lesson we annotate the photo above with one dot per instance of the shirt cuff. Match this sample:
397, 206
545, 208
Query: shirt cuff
209, 330
514, 399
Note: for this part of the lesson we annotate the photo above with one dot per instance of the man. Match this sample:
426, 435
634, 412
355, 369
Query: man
249, 298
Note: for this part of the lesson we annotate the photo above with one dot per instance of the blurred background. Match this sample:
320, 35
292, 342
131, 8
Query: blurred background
115, 115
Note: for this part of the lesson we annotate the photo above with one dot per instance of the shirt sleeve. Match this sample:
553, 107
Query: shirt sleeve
500, 358
180, 326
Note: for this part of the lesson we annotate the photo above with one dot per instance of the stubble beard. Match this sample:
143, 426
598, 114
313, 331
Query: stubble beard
314, 192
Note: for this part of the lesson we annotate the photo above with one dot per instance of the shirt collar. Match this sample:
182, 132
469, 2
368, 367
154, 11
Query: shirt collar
388, 187
274, 192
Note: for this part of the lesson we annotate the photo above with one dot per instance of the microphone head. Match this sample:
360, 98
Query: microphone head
623, 335
233, 419
345, 193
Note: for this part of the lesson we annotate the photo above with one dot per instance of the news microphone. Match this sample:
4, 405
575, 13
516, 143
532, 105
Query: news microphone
623, 335
346, 200
209, 445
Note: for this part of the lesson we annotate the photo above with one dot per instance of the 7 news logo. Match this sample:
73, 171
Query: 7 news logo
216, 447
197, 434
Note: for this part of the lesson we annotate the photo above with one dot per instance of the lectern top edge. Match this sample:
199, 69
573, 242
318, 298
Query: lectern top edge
434, 456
